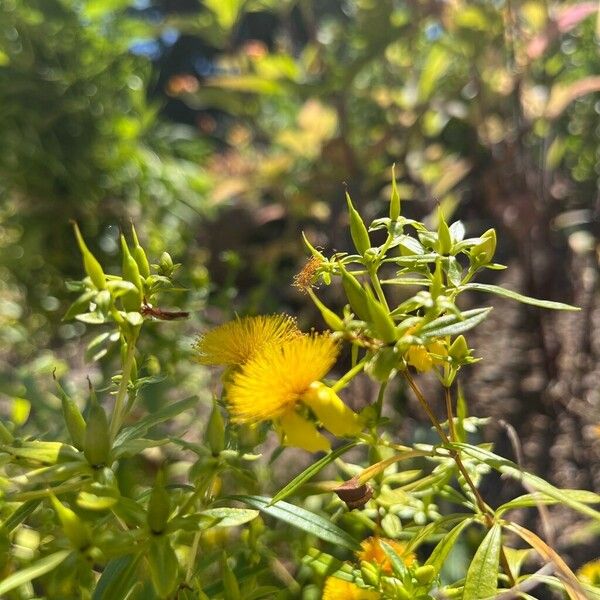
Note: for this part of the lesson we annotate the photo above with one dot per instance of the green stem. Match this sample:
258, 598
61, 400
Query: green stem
378, 288
119, 411
379, 402
343, 381
485, 510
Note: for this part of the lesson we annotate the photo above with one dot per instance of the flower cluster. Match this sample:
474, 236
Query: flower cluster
274, 373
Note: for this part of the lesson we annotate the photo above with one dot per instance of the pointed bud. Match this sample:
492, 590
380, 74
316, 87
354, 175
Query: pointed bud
332, 320
132, 300
358, 230
74, 528
444, 245
159, 506
73, 419
395, 199
356, 295
215, 430
139, 254
96, 445
90, 263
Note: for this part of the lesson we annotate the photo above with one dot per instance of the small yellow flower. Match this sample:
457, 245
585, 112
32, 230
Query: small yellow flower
420, 357
372, 552
274, 384
590, 572
338, 589
238, 341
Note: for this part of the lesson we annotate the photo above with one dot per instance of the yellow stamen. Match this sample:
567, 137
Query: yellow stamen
238, 341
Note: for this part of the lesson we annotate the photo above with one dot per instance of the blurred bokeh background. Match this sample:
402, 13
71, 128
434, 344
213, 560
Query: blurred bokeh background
223, 128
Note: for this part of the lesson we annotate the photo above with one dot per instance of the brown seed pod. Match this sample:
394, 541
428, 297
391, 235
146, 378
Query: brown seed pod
354, 494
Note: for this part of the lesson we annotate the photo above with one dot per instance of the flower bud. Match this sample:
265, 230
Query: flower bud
215, 430
132, 300
96, 443
356, 295
139, 255
73, 420
331, 410
230, 584
459, 350
74, 528
482, 253
395, 198
159, 506
90, 263
444, 243
328, 315
424, 574
358, 230
370, 573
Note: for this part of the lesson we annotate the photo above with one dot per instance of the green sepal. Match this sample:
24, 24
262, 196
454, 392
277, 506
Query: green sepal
215, 430
444, 243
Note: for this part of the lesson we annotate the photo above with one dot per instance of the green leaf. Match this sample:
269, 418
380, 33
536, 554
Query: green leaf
230, 517
310, 472
482, 575
164, 566
528, 500
117, 578
453, 324
509, 468
301, 519
441, 551
37, 569
17, 517
500, 291
143, 425
396, 561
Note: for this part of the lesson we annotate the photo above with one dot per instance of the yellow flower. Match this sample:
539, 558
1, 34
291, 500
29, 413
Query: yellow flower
238, 341
274, 384
590, 572
372, 552
338, 589
420, 357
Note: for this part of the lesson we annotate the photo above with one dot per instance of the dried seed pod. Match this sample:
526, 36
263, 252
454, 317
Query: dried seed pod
354, 494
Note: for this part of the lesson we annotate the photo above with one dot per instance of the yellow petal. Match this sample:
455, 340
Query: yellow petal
419, 358
301, 433
331, 410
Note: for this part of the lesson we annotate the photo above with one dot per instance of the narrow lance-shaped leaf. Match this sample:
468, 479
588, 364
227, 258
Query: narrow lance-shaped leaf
301, 519
310, 472
500, 291
37, 569
482, 575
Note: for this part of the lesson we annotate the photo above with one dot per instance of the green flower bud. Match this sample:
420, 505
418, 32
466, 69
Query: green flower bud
358, 230
459, 350
90, 263
74, 528
73, 420
159, 506
395, 199
482, 253
132, 301
382, 322
356, 295
96, 444
230, 583
139, 255
332, 320
312, 249
444, 243
370, 573
425, 574
215, 430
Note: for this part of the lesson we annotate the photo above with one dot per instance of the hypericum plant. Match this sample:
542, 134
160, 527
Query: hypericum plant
96, 525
